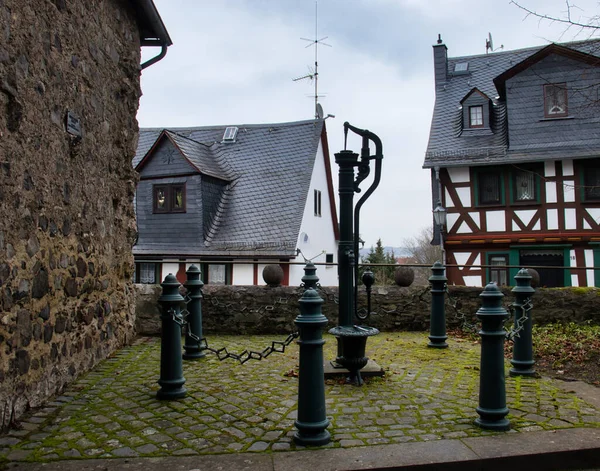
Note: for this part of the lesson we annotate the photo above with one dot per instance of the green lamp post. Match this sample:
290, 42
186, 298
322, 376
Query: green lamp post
492, 408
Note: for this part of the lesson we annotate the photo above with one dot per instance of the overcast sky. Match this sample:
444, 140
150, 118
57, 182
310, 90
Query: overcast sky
233, 61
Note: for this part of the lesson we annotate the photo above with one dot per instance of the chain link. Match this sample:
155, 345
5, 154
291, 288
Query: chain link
460, 316
222, 353
516, 331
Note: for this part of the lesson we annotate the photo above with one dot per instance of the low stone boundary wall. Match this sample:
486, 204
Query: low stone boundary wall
266, 310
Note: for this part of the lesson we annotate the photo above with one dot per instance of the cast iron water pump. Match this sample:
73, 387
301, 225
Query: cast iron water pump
349, 183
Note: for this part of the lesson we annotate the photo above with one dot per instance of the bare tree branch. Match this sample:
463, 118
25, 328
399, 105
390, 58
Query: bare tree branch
593, 23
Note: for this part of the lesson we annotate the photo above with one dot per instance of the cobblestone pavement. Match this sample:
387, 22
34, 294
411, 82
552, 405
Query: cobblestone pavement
427, 394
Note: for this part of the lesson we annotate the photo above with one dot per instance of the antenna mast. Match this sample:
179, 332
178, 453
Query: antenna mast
314, 75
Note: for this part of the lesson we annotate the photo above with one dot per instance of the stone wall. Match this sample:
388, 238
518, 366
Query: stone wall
265, 310
65, 201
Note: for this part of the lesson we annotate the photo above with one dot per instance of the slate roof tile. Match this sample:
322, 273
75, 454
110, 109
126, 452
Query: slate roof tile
271, 166
446, 145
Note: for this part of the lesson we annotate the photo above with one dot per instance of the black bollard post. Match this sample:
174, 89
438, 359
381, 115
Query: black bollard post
522, 360
193, 332
312, 420
171, 367
437, 325
492, 408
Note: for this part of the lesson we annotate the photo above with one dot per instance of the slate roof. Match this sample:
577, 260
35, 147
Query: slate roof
447, 147
269, 167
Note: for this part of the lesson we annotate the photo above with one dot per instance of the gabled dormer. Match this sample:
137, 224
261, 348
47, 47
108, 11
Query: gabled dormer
183, 185
475, 113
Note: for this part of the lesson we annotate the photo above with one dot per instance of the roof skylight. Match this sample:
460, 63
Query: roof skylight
230, 133
461, 67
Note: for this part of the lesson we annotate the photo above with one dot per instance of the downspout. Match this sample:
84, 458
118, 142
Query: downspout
154, 60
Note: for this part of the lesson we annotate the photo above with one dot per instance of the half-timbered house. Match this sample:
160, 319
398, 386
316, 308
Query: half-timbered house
514, 154
233, 199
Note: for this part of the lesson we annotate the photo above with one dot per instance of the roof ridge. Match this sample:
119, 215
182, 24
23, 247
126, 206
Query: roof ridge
186, 137
525, 49
221, 126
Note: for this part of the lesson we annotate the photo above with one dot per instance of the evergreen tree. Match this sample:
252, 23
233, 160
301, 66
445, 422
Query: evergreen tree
383, 275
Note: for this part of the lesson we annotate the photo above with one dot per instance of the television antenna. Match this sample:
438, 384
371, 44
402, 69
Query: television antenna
489, 44
313, 74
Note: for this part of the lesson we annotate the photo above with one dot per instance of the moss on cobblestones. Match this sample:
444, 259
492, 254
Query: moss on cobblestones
426, 394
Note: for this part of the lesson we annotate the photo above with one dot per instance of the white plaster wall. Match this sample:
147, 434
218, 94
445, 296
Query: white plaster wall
570, 218
569, 191
475, 217
168, 267
567, 166
472, 281
321, 238
451, 220
465, 196
550, 168
589, 262
449, 201
551, 192
458, 174
260, 281
243, 274
552, 219
496, 221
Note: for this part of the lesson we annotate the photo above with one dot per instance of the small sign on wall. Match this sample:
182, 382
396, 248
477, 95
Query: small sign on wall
73, 124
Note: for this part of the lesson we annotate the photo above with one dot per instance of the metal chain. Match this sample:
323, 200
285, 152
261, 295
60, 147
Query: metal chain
460, 316
516, 331
222, 353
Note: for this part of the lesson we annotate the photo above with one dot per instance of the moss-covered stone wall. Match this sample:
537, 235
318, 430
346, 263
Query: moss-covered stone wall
66, 212
265, 310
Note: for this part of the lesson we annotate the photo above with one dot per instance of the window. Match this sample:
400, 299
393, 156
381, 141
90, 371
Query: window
555, 100
476, 116
498, 270
524, 186
490, 187
329, 258
147, 273
169, 198
216, 273
318, 203
591, 182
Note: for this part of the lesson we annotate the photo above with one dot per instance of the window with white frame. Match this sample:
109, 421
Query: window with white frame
317, 202
476, 116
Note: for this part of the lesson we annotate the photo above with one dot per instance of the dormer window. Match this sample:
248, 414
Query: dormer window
476, 116
555, 100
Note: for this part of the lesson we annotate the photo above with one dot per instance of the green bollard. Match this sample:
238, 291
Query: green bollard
492, 408
522, 360
171, 367
312, 420
437, 325
194, 319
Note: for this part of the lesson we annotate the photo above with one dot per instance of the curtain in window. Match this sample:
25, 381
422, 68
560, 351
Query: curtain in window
216, 274
147, 273
525, 186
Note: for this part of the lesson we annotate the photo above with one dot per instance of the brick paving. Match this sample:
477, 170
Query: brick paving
426, 394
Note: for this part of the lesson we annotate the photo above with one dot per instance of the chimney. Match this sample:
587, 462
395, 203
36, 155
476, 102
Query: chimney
440, 62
